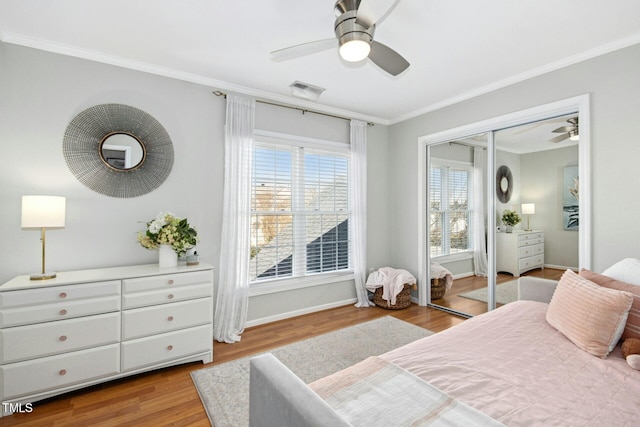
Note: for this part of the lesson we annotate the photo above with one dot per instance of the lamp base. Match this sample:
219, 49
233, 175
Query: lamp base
43, 276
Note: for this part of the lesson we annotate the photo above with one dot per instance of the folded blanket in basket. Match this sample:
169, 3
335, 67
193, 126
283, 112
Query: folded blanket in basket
392, 281
439, 272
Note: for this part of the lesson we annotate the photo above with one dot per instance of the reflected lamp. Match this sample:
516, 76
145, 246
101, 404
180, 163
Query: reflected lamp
528, 209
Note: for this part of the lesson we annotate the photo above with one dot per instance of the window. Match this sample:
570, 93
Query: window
449, 196
300, 211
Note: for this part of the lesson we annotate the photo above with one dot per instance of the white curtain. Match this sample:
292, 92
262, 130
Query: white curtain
233, 281
359, 209
479, 239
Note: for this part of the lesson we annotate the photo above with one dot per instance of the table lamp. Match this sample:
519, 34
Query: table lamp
43, 212
528, 209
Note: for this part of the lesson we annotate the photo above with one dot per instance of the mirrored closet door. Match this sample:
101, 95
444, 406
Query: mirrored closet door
501, 204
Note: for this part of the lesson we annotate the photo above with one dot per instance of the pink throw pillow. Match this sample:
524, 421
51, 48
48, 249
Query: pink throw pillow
591, 316
632, 328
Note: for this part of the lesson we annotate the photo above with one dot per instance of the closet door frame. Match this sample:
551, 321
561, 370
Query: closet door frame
581, 106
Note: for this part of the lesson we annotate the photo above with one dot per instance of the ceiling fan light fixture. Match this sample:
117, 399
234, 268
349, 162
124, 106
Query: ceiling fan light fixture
355, 50
574, 135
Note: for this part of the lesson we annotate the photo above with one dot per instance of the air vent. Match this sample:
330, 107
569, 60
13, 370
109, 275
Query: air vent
305, 90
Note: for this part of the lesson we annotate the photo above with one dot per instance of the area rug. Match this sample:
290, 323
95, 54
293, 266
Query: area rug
224, 388
505, 293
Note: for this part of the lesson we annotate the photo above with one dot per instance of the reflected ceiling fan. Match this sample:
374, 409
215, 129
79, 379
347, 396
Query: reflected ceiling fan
568, 132
355, 24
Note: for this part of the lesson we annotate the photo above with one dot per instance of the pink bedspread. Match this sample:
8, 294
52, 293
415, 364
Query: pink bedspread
511, 365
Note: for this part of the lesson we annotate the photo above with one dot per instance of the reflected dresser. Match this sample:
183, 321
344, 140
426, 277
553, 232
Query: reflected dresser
519, 251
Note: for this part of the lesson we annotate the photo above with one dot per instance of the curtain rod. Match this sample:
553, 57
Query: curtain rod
304, 110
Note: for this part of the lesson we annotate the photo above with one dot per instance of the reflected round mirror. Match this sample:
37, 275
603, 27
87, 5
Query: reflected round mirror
504, 184
122, 151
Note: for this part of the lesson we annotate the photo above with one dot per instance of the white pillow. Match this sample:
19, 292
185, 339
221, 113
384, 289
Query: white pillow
627, 270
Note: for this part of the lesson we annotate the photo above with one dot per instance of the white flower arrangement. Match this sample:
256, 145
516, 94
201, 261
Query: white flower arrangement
167, 229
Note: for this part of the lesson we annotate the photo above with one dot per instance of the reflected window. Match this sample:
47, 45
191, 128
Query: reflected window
449, 198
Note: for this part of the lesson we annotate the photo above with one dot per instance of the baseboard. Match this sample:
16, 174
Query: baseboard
290, 314
561, 267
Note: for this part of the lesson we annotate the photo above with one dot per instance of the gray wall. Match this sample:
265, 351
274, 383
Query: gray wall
612, 82
41, 92
541, 178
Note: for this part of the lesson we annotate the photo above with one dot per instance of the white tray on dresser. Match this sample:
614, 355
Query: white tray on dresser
91, 326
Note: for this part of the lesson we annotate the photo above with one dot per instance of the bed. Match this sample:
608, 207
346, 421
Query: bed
510, 366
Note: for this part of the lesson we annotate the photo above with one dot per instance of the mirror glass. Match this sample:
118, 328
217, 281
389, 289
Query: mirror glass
469, 234
504, 184
457, 221
122, 151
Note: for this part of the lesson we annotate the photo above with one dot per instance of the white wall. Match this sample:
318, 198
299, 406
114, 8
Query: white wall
41, 92
612, 81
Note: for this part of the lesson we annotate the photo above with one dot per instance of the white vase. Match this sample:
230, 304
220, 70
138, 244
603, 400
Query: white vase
167, 257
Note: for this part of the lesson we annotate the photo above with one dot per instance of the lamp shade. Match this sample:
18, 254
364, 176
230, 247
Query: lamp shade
528, 208
43, 211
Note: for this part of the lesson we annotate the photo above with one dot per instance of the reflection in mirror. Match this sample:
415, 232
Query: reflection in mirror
544, 169
122, 151
457, 221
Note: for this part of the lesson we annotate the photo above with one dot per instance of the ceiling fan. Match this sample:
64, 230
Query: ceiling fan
568, 132
355, 24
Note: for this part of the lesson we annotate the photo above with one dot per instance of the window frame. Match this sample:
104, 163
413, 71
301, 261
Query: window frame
445, 164
269, 139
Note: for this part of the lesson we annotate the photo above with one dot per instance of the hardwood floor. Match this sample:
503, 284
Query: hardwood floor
168, 397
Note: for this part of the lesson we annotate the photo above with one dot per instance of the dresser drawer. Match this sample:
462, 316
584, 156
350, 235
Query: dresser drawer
530, 242
140, 322
45, 339
166, 281
167, 295
523, 237
164, 347
531, 262
527, 251
59, 311
58, 371
56, 294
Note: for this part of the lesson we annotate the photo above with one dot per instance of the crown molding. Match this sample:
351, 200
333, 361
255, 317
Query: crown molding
565, 62
118, 61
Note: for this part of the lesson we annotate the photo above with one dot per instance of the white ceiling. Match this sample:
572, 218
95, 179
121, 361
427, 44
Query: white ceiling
457, 49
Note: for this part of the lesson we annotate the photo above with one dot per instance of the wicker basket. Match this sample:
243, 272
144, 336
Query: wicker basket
438, 288
403, 299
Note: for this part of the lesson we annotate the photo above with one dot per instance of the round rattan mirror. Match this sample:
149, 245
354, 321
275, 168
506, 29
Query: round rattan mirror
118, 150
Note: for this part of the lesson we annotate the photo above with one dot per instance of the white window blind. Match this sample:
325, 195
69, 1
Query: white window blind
300, 212
449, 198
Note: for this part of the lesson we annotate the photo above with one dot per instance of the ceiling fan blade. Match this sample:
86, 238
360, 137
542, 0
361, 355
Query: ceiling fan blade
559, 138
372, 12
564, 129
387, 59
303, 49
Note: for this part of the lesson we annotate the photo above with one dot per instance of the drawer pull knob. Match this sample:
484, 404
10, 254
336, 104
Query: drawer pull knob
62, 372
63, 294
170, 318
170, 296
63, 338
171, 281
63, 312
169, 347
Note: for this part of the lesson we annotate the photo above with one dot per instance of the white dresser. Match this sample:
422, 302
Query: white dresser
519, 251
90, 326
